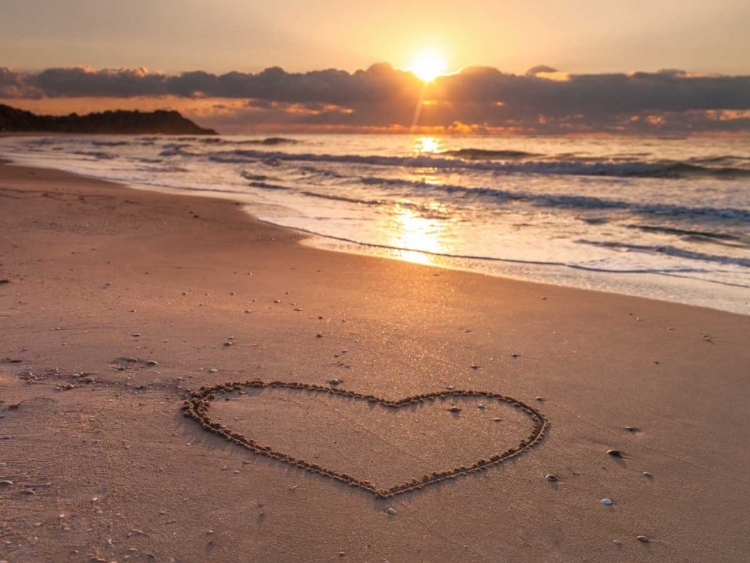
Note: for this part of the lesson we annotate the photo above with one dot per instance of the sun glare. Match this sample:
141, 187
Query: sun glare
428, 65
416, 237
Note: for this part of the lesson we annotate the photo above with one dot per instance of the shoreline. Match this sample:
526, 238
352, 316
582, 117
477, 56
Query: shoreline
666, 287
121, 301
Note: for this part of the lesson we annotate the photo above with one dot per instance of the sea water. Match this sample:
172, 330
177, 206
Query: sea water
665, 218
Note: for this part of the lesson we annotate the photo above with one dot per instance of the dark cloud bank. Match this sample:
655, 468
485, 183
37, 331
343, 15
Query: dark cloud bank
475, 99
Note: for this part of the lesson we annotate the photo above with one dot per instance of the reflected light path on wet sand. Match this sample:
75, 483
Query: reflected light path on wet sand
408, 228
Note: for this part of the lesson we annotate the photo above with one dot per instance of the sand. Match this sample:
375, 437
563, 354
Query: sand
118, 473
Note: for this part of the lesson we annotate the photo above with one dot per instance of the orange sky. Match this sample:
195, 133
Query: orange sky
574, 35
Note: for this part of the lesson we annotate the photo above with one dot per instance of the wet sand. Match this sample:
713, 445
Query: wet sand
98, 462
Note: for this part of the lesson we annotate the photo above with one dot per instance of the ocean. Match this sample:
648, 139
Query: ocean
663, 218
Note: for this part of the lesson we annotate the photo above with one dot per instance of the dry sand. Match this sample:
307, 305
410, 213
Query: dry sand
117, 472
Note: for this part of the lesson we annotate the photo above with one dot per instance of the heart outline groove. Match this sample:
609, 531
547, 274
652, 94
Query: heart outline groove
198, 404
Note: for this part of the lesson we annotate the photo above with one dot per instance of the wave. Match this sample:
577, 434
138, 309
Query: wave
502, 196
483, 154
683, 170
565, 200
671, 251
268, 141
312, 170
428, 211
178, 149
661, 169
110, 143
680, 271
98, 155
267, 186
253, 177
693, 234
719, 159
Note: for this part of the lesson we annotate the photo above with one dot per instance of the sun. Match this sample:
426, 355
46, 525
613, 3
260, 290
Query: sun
428, 65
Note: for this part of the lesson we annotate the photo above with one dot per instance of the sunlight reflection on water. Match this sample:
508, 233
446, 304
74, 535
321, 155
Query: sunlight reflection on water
426, 145
408, 228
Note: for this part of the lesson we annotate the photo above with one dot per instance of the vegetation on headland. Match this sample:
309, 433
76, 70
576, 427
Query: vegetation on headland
14, 120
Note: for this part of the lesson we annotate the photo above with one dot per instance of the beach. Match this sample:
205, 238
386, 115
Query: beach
119, 303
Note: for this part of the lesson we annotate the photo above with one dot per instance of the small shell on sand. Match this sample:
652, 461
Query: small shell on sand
648, 474
615, 453
644, 539
551, 478
135, 334
6, 483
480, 406
391, 511
606, 501
454, 408
213, 370
617, 542
474, 366
335, 381
152, 363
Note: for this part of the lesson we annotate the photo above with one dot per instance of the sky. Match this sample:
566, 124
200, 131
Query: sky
580, 39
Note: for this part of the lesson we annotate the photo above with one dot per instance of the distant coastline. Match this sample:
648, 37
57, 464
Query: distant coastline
119, 122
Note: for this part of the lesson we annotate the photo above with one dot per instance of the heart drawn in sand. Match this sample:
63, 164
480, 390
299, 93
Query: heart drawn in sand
198, 405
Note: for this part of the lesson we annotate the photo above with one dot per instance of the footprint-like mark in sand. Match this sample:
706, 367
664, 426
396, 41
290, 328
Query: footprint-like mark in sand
366, 441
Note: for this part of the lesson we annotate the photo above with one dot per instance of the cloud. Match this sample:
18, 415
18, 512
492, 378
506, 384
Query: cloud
544, 100
540, 69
